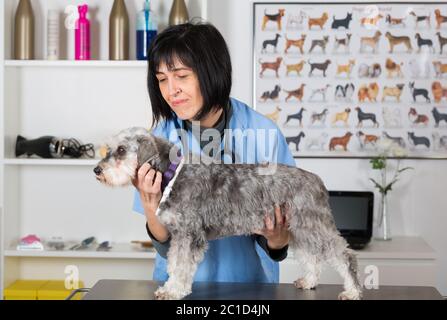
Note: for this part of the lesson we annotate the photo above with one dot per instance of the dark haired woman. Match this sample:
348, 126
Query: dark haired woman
189, 82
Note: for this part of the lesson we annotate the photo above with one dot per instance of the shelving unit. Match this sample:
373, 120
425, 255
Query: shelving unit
86, 100
75, 64
50, 162
118, 251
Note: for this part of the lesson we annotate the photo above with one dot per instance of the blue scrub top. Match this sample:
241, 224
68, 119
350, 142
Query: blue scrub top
237, 258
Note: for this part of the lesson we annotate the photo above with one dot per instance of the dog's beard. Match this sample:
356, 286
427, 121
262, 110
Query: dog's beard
119, 175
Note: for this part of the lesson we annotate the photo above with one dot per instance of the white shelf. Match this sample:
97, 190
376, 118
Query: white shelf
50, 162
76, 64
398, 248
405, 248
118, 251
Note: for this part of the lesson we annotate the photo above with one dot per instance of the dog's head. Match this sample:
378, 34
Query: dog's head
125, 152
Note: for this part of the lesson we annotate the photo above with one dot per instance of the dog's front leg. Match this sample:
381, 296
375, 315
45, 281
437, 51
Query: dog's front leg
184, 255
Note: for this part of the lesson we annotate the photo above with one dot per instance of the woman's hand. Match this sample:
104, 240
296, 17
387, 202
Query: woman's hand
277, 234
148, 183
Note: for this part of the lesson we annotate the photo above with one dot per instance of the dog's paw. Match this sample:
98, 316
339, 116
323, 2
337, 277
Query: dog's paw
303, 283
165, 294
350, 295
162, 294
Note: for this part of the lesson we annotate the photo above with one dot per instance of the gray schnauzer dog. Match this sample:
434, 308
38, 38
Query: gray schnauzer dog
209, 201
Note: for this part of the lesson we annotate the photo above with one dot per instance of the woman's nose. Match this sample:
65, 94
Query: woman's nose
173, 88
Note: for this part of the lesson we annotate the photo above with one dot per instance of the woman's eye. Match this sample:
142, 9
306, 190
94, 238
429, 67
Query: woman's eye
161, 80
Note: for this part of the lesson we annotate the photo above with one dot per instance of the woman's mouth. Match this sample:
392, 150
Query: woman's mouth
176, 103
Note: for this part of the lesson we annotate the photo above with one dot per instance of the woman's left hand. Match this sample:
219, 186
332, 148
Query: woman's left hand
277, 234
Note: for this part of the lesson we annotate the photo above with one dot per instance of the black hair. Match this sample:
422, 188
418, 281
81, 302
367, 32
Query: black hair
201, 47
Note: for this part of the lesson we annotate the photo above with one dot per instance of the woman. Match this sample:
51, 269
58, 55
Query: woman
189, 83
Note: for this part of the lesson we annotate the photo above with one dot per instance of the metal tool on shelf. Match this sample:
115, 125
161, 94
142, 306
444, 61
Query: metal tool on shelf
104, 246
85, 244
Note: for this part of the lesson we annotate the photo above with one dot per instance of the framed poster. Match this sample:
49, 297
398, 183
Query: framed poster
340, 78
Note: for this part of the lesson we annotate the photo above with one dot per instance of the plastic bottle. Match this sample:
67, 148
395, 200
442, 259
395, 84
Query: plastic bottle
82, 35
53, 35
71, 16
147, 24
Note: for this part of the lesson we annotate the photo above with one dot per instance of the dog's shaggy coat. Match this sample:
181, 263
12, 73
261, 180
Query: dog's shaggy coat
208, 201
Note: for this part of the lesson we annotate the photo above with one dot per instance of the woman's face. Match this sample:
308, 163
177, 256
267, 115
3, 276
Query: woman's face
181, 90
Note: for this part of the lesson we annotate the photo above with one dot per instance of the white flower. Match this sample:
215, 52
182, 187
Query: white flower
384, 145
398, 152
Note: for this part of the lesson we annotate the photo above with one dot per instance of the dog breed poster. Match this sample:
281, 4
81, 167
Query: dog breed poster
339, 78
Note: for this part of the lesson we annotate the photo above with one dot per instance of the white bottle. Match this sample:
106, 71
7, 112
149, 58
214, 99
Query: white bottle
71, 15
53, 35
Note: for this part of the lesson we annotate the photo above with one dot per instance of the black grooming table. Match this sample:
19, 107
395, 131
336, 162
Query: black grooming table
144, 290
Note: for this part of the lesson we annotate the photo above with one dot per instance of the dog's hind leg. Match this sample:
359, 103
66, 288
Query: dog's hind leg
345, 263
184, 255
311, 267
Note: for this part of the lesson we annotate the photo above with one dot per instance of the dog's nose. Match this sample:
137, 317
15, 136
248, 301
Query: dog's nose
97, 171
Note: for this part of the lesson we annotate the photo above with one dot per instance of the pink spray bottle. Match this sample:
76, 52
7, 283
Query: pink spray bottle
82, 35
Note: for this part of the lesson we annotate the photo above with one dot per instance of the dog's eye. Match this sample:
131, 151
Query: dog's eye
121, 151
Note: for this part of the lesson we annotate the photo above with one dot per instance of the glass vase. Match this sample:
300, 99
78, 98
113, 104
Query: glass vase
383, 226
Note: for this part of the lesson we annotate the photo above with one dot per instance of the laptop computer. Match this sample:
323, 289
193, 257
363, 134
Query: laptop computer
353, 214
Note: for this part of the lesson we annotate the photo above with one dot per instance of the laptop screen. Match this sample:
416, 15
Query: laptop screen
353, 212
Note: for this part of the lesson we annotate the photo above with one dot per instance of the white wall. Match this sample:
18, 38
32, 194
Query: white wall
416, 204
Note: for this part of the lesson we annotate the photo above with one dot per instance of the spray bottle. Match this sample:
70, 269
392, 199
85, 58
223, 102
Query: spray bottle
147, 24
82, 35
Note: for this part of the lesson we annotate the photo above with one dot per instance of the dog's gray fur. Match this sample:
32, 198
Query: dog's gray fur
216, 200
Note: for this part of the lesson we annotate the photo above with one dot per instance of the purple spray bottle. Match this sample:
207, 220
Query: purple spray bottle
82, 35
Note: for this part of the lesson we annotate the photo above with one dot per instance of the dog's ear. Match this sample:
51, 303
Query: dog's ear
145, 148
150, 146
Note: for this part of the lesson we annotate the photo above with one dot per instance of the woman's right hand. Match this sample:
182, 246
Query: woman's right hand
148, 183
